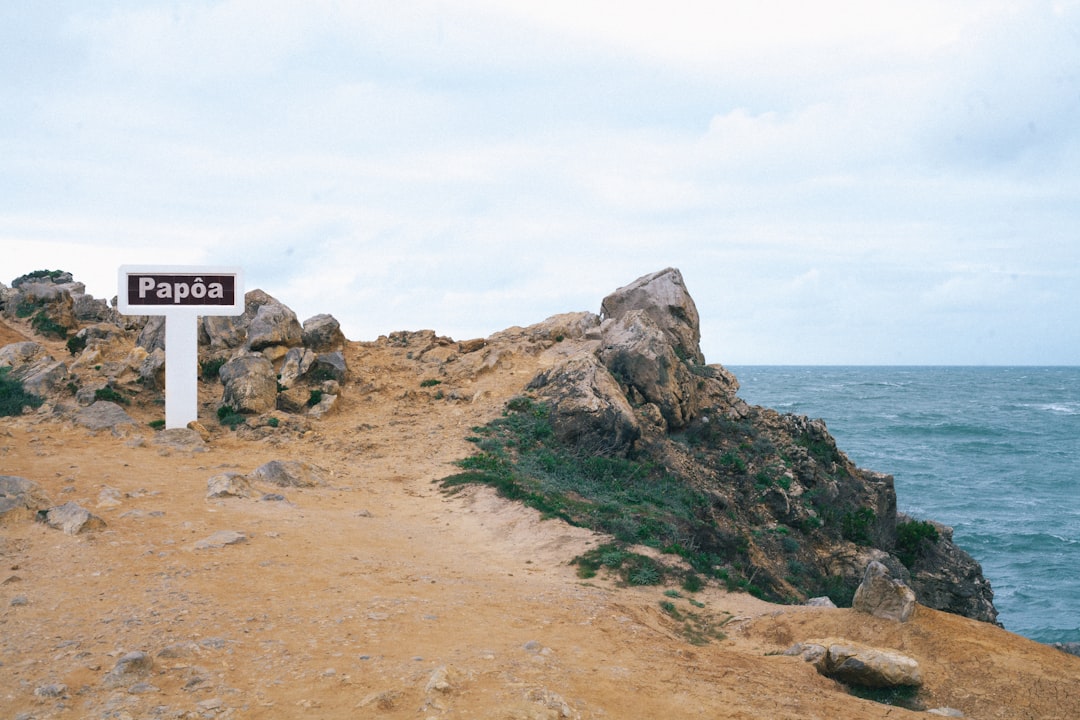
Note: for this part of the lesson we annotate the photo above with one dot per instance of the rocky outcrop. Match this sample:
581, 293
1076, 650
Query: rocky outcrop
30, 363
783, 507
20, 499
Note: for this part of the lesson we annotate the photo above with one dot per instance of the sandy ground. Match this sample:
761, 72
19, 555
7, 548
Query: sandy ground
380, 596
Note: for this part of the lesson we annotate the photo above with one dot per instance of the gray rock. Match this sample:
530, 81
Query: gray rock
37, 371
52, 690
229, 484
185, 439
288, 473
250, 384
884, 596
221, 539
73, 519
859, 665
103, 415
326, 403
297, 363
274, 324
129, 669
589, 409
322, 333
152, 370
20, 499
329, 366
152, 335
822, 602
664, 298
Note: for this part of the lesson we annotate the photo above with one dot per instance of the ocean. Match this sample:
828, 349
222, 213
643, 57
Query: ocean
993, 452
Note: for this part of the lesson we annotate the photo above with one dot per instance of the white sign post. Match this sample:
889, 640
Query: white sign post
181, 293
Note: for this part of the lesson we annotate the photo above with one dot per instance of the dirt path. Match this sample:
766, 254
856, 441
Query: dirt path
380, 596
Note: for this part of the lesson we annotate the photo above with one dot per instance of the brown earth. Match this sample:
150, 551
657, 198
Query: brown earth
381, 596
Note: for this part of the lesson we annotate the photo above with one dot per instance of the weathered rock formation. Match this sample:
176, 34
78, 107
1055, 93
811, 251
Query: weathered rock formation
789, 515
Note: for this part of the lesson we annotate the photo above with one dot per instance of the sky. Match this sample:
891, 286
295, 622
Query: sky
839, 182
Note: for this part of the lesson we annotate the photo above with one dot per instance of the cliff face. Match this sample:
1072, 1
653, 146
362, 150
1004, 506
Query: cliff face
783, 512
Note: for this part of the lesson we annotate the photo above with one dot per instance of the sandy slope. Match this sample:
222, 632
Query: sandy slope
379, 596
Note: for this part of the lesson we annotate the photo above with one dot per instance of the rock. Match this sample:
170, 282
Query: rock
298, 361
589, 409
329, 366
186, 439
152, 370
37, 371
1072, 648
322, 333
52, 690
250, 384
294, 400
822, 602
274, 324
129, 669
945, 712
326, 403
640, 355
288, 473
945, 577
883, 596
152, 335
229, 484
72, 518
664, 298
20, 498
859, 665
103, 415
221, 539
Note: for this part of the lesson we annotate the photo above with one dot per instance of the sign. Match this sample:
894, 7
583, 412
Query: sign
159, 290
181, 294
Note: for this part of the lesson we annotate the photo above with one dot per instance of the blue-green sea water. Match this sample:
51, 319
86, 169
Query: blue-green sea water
992, 451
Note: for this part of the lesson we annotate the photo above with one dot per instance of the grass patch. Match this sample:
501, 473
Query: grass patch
157, 424
634, 501
13, 397
697, 628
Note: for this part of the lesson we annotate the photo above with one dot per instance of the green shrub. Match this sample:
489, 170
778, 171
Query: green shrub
48, 327
157, 424
211, 368
430, 382
227, 415
912, 539
110, 394
13, 397
855, 525
315, 398
76, 344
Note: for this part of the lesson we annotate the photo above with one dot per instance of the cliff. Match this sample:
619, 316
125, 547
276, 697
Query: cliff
205, 580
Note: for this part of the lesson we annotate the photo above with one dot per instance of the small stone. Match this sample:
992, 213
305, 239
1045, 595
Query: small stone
51, 690
19, 600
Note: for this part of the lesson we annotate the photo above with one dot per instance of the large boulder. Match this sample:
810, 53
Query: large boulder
664, 298
274, 324
250, 384
884, 596
854, 664
298, 361
322, 333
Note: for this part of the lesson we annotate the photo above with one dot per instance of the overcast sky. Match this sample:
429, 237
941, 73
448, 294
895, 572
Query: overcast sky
839, 182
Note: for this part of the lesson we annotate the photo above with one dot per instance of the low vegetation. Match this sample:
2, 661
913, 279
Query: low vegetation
13, 397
